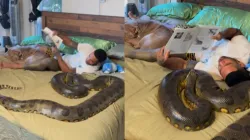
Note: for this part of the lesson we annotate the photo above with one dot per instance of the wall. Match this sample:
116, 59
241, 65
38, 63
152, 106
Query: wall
112, 8
94, 7
81, 6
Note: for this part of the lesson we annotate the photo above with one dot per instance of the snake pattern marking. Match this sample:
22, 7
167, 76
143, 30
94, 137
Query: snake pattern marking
240, 130
72, 86
189, 97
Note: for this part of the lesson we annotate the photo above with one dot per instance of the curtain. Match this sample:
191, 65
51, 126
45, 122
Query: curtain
34, 14
156, 2
4, 19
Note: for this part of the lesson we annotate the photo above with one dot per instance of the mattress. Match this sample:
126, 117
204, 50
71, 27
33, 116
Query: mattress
106, 125
144, 119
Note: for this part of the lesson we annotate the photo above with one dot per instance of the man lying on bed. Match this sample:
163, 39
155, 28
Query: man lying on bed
87, 60
226, 60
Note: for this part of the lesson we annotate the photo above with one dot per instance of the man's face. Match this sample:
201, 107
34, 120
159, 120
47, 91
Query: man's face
91, 59
228, 65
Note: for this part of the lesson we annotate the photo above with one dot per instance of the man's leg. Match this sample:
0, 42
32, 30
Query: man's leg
175, 63
11, 65
151, 54
143, 54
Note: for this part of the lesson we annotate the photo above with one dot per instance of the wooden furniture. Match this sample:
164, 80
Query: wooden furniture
96, 26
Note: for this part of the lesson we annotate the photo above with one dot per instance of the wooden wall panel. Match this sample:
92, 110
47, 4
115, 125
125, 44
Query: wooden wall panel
103, 27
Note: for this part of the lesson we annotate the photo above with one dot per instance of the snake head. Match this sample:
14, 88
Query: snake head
191, 76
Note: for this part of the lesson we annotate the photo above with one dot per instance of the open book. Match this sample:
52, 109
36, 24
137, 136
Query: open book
191, 40
57, 40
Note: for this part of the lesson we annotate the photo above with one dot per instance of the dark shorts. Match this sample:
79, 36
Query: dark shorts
191, 64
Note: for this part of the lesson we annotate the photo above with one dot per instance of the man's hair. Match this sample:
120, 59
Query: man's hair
237, 77
101, 55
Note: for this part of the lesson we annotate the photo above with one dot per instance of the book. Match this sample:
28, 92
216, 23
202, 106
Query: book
56, 39
192, 40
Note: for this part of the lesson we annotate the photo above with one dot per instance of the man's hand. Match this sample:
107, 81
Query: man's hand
228, 34
55, 52
66, 40
217, 36
162, 56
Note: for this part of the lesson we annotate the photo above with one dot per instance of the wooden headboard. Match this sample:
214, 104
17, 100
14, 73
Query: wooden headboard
239, 4
96, 26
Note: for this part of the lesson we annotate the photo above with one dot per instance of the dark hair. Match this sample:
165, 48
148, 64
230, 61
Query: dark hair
237, 77
101, 55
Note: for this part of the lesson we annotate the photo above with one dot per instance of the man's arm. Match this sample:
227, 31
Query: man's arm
66, 40
64, 67
11, 65
228, 34
172, 63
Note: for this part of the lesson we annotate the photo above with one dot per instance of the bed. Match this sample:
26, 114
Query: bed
106, 125
143, 118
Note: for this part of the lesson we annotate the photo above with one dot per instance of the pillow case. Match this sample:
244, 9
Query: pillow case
175, 10
116, 52
224, 17
169, 22
96, 43
33, 40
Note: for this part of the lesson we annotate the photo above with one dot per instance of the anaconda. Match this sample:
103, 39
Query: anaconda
112, 88
240, 130
193, 109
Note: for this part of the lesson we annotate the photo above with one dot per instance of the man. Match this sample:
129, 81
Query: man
225, 60
87, 60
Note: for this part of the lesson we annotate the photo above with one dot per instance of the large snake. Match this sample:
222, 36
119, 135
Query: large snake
72, 86
188, 99
240, 130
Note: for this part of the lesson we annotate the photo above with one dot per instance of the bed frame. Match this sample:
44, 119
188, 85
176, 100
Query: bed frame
96, 26
239, 4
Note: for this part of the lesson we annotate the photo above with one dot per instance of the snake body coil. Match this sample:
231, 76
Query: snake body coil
112, 90
240, 130
192, 109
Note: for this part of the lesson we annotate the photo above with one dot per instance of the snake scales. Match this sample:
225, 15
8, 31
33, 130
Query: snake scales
72, 86
189, 97
240, 130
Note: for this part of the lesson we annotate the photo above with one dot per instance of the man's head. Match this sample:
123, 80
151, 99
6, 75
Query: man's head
98, 56
232, 71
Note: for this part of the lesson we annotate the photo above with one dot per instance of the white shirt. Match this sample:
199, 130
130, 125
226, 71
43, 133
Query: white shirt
78, 60
238, 48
